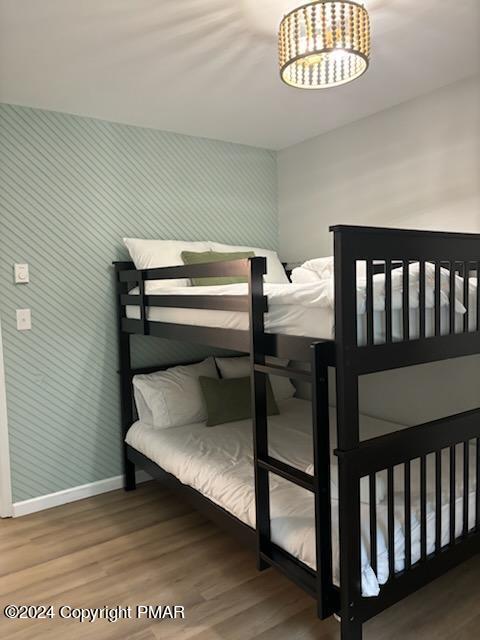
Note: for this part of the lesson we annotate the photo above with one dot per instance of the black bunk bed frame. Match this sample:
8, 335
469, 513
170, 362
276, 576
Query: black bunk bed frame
456, 252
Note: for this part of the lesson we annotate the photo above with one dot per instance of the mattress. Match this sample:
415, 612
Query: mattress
315, 322
298, 310
218, 462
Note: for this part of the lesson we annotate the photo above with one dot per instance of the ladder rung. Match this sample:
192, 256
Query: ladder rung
276, 370
288, 472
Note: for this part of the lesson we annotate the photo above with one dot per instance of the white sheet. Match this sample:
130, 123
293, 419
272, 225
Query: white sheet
323, 269
217, 461
302, 310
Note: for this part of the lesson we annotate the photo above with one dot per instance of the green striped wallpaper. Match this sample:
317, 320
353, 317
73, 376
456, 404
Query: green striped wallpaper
70, 188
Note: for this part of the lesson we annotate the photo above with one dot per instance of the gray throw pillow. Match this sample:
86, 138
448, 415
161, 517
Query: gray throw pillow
229, 399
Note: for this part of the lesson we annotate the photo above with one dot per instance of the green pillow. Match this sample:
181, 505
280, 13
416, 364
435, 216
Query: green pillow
196, 257
229, 399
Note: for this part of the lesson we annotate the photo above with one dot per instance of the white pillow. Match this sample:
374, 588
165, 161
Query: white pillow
275, 271
150, 254
301, 276
143, 410
282, 388
324, 268
174, 397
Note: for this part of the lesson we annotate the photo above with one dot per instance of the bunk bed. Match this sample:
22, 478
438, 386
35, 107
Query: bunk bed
448, 529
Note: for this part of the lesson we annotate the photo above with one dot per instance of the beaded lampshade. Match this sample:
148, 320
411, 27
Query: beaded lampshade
324, 44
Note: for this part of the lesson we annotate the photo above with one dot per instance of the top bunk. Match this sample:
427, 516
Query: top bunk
391, 298
217, 316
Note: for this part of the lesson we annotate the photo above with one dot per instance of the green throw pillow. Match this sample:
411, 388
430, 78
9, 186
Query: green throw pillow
229, 399
199, 257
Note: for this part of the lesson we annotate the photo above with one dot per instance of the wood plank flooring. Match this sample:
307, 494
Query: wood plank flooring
148, 547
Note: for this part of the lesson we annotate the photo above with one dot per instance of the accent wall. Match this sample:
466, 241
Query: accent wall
70, 189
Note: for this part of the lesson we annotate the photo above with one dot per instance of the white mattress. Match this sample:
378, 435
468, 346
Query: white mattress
294, 309
315, 322
217, 461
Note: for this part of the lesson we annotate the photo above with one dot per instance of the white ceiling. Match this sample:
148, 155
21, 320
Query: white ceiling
208, 67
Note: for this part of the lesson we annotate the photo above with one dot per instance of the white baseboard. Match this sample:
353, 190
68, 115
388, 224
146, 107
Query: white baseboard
71, 495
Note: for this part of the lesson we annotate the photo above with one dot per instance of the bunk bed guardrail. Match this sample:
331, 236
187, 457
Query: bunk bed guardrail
277, 345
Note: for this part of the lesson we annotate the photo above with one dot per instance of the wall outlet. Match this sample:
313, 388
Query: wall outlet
24, 319
21, 273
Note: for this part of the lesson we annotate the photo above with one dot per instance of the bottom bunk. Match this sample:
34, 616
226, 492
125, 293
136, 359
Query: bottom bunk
217, 462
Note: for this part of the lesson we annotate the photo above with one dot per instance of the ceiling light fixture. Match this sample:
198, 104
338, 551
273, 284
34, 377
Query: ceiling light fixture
324, 44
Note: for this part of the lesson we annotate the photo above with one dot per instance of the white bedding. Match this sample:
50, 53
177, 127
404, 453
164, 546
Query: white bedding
217, 461
304, 310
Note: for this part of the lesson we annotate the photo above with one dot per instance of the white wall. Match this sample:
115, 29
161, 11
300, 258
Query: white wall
416, 165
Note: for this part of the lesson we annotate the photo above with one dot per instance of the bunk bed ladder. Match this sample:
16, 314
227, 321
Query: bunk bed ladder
268, 554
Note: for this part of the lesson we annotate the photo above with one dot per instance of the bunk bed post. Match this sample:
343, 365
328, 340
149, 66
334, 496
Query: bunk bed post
347, 435
258, 268
125, 372
321, 464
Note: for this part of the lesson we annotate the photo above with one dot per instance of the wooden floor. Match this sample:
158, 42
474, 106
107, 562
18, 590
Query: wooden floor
147, 547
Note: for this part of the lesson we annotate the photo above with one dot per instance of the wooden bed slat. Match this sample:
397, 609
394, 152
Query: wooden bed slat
466, 297
438, 501
391, 523
421, 299
373, 521
227, 302
369, 303
388, 301
451, 295
437, 307
478, 296
222, 269
408, 515
466, 490
423, 508
477, 485
452, 497
406, 300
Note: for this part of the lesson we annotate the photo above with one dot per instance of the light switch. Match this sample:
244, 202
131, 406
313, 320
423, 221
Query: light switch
21, 274
24, 319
